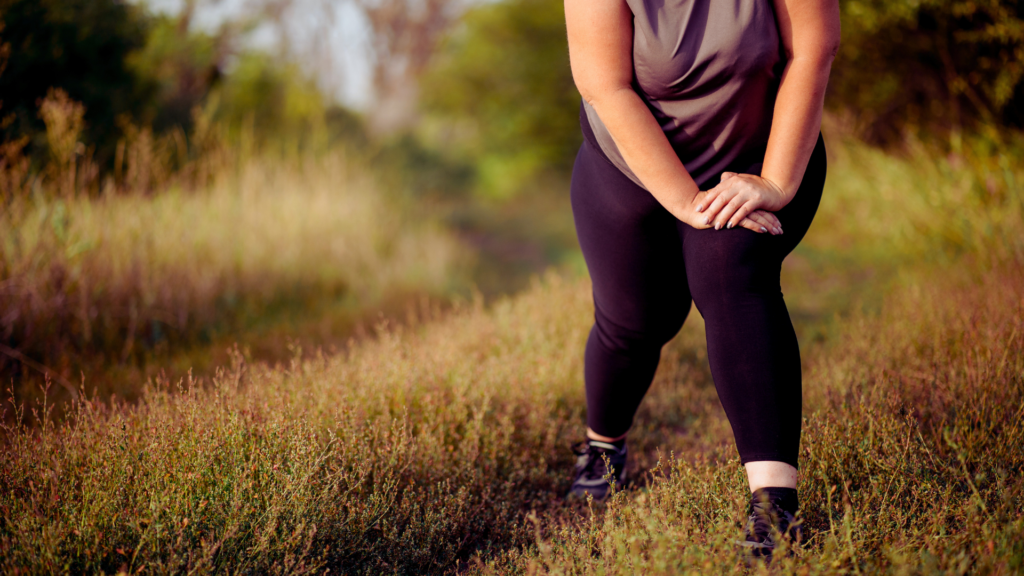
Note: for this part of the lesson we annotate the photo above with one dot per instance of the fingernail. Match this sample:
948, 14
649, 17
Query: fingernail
729, 225
763, 229
707, 221
700, 207
718, 226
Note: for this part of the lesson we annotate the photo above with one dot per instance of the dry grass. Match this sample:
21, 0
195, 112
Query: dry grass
442, 445
108, 280
920, 207
884, 217
433, 444
911, 457
409, 452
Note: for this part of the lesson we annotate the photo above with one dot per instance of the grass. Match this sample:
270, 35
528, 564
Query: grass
126, 279
441, 445
911, 460
433, 446
884, 216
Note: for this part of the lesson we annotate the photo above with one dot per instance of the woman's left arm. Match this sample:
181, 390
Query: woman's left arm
810, 34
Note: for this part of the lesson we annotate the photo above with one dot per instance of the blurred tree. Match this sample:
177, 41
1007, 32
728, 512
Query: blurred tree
141, 77
181, 65
404, 35
935, 67
502, 90
5, 52
502, 80
80, 46
272, 98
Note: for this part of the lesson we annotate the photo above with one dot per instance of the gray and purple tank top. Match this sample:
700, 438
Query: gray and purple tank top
709, 72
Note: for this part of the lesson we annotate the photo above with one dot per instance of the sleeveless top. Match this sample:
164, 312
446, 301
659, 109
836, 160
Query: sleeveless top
709, 72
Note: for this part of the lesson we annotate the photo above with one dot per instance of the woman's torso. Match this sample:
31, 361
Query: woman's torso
709, 72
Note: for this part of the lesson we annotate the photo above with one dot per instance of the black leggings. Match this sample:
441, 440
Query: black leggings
646, 266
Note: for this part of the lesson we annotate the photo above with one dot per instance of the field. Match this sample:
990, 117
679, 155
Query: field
440, 444
275, 251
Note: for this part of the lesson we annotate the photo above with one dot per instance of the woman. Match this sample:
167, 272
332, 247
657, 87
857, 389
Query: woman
701, 169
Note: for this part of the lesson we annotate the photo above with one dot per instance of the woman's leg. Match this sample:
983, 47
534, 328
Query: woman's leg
734, 277
633, 252
752, 348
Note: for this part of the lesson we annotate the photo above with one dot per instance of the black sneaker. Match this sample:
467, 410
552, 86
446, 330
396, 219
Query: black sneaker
772, 519
591, 469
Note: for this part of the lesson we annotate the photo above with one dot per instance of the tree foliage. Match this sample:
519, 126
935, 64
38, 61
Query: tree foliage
935, 67
503, 78
271, 98
80, 46
180, 65
403, 37
142, 75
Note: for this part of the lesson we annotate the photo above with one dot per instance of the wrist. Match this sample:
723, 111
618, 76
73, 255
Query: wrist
682, 204
781, 196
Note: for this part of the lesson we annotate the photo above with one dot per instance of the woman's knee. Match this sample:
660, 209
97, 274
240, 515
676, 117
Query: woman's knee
725, 265
642, 336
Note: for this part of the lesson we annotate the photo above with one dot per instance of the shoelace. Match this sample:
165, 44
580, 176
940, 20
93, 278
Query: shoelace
766, 515
760, 526
595, 467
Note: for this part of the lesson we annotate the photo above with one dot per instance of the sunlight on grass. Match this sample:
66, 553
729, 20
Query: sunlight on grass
430, 444
116, 276
885, 219
441, 445
878, 206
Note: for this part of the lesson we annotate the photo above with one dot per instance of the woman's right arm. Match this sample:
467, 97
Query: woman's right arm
601, 55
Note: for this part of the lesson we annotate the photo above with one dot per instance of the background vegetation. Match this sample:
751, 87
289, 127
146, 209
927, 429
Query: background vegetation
965, 59
244, 328
441, 446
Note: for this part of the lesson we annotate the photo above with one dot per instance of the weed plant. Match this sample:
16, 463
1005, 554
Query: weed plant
441, 445
911, 458
98, 278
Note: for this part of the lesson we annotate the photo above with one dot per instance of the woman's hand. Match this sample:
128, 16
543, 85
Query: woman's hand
759, 221
739, 196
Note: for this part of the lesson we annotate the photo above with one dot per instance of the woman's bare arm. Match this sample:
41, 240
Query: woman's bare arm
601, 55
810, 35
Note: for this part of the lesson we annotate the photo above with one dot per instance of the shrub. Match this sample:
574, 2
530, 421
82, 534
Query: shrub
933, 68
107, 281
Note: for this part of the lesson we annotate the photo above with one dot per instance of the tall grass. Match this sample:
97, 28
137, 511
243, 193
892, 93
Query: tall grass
109, 279
437, 443
911, 457
408, 453
920, 206
883, 217
441, 445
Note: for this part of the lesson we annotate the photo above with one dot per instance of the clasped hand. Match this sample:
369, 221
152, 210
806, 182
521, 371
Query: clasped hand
739, 200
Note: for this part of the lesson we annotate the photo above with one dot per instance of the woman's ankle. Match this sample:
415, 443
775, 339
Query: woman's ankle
770, 474
591, 435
